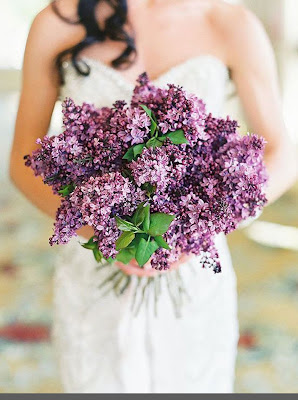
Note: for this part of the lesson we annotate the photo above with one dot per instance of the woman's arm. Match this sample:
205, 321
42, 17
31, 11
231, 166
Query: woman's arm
40, 85
38, 97
253, 66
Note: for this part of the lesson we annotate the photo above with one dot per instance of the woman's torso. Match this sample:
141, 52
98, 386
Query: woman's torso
106, 323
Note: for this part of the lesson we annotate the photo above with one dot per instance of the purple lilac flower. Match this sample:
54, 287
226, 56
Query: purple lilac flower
211, 184
153, 166
97, 201
175, 108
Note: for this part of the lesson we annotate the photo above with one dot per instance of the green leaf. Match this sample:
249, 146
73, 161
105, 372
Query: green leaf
151, 142
124, 240
139, 215
153, 128
126, 173
147, 110
125, 226
162, 138
137, 149
134, 151
146, 222
160, 223
162, 243
97, 254
152, 118
177, 137
145, 250
136, 241
90, 245
67, 190
154, 142
129, 155
126, 255
149, 188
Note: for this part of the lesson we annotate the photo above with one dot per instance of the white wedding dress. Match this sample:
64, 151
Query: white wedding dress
101, 346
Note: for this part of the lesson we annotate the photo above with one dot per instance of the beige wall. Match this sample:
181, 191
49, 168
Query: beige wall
272, 13
280, 18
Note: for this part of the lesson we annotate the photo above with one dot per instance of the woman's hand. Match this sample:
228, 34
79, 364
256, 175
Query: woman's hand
133, 267
86, 232
147, 271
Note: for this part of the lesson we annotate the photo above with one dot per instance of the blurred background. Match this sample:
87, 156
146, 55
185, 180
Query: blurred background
264, 254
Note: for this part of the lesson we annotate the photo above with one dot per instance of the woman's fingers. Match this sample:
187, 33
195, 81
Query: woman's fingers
131, 269
147, 271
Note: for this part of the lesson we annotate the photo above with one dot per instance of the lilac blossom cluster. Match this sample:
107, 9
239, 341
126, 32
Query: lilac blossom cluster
223, 184
211, 182
95, 203
93, 143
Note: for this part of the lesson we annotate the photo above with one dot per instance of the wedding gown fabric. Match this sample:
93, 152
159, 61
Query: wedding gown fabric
101, 346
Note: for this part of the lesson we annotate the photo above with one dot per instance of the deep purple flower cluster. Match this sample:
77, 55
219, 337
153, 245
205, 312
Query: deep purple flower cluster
93, 143
175, 109
223, 185
211, 184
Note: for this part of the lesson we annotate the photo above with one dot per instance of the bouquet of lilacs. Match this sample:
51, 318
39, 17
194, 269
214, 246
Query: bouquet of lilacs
155, 179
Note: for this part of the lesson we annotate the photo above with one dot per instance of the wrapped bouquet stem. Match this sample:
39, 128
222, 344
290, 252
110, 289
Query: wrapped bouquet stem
156, 180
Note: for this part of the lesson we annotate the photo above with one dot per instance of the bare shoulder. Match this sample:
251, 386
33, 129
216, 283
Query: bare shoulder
225, 13
49, 34
241, 34
235, 22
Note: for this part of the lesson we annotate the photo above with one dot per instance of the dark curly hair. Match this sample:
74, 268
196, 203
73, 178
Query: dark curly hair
113, 29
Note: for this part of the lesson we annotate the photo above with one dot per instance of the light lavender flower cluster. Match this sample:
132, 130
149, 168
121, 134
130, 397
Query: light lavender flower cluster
162, 152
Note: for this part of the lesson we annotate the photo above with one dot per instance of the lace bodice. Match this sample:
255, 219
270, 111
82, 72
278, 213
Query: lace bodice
204, 75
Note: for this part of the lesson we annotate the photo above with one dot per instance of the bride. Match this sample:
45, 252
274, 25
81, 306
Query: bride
93, 50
